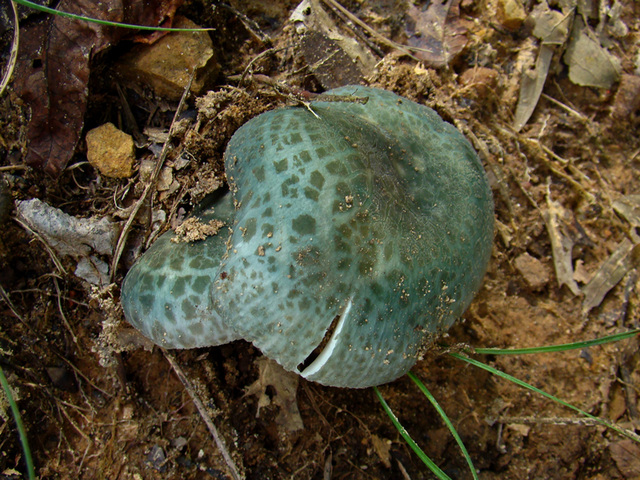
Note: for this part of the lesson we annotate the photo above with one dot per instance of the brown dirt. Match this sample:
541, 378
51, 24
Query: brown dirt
93, 412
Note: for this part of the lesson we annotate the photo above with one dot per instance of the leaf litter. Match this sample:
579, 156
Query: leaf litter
54, 67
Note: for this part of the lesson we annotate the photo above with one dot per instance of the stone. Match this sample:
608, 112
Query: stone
627, 99
511, 14
534, 272
110, 151
166, 65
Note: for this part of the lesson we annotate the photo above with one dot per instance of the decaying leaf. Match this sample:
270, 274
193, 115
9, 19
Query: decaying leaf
334, 59
53, 71
629, 208
436, 33
285, 385
382, 447
626, 454
552, 28
614, 268
558, 221
81, 238
590, 64
531, 88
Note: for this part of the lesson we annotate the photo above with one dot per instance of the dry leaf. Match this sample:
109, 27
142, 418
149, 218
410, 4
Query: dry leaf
590, 65
383, 448
68, 235
614, 268
626, 454
532, 85
552, 28
77, 237
437, 33
629, 208
52, 72
285, 385
557, 221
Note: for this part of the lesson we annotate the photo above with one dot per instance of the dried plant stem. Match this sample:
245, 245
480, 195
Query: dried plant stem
204, 414
14, 51
380, 38
152, 183
54, 258
61, 310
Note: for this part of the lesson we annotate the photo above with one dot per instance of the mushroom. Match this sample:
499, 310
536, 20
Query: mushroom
356, 233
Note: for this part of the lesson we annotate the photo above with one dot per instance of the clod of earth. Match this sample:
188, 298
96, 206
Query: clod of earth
355, 234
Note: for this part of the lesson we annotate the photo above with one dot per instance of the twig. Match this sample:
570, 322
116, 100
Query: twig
14, 51
64, 317
11, 168
54, 257
297, 94
260, 56
380, 38
591, 422
204, 414
349, 23
572, 111
152, 182
8, 301
249, 24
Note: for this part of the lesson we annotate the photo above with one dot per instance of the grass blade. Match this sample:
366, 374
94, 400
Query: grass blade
407, 438
558, 348
523, 384
446, 420
21, 432
73, 16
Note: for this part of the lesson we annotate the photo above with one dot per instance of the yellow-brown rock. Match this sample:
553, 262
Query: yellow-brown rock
166, 65
511, 14
111, 151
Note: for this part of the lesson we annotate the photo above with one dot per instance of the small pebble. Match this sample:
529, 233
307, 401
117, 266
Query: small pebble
111, 151
534, 272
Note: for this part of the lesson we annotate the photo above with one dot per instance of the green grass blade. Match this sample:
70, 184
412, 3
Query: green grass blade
407, 438
446, 420
21, 432
523, 384
558, 348
53, 11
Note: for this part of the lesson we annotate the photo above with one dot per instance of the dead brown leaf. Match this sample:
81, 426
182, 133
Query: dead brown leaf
382, 447
53, 71
626, 454
437, 33
285, 385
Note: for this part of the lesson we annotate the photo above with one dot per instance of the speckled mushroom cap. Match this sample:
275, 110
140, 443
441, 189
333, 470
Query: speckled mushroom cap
165, 294
359, 232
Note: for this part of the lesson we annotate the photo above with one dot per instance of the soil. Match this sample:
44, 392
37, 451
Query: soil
96, 404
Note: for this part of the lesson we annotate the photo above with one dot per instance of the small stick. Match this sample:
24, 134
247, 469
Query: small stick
13, 57
297, 94
152, 182
204, 414
380, 38
266, 53
61, 310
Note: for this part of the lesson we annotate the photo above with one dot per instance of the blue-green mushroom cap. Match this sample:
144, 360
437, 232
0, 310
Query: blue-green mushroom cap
360, 231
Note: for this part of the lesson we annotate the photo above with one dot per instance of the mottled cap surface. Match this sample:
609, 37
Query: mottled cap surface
360, 230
